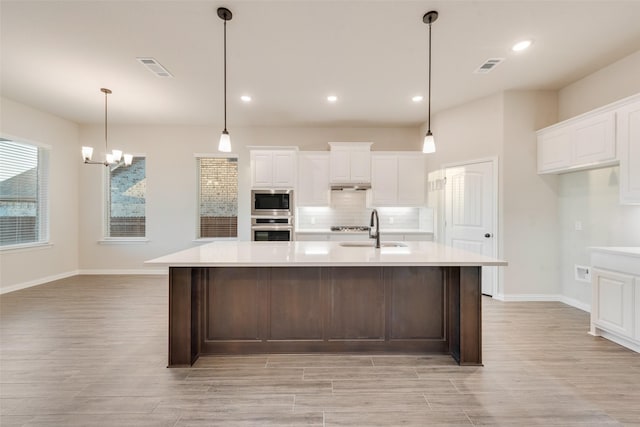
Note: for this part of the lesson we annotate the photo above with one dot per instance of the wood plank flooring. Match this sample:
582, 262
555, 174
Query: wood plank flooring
92, 351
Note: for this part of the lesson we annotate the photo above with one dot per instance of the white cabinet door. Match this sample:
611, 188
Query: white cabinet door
340, 166
594, 139
554, 151
384, 179
612, 302
284, 169
273, 168
350, 162
313, 179
398, 179
261, 169
411, 180
628, 140
360, 164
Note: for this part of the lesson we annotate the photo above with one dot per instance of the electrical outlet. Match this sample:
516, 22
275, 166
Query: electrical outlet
578, 225
313, 220
390, 220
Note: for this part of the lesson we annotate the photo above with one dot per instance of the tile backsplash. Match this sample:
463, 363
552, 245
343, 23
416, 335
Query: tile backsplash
350, 208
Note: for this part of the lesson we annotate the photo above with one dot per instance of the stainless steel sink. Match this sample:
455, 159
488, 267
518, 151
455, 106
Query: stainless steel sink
372, 244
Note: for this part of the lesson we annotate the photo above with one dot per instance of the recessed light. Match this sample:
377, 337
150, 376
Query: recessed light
332, 98
245, 98
521, 45
417, 98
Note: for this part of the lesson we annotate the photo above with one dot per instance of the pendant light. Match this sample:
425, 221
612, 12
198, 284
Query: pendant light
429, 144
110, 158
225, 139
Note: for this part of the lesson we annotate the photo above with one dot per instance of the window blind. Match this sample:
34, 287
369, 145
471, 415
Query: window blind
217, 197
24, 193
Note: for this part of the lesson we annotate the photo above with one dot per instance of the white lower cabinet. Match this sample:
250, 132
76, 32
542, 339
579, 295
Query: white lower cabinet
615, 295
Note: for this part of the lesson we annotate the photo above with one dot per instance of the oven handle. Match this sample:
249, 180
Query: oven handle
272, 227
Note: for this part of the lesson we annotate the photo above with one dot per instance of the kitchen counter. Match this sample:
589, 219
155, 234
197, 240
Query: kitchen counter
302, 297
321, 253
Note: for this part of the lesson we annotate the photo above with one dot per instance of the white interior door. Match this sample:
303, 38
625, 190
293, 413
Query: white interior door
470, 213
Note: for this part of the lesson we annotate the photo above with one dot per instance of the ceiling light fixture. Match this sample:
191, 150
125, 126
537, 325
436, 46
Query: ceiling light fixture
417, 98
110, 158
245, 98
520, 46
429, 144
332, 98
225, 139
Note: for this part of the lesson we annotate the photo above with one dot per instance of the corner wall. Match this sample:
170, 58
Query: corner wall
30, 266
592, 197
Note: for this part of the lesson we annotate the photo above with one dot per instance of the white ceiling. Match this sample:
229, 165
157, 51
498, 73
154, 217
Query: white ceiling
289, 55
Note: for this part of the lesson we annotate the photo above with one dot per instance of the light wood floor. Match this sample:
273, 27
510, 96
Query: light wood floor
91, 351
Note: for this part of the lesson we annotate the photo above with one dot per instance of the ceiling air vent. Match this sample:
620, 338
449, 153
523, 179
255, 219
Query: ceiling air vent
155, 67
488, 65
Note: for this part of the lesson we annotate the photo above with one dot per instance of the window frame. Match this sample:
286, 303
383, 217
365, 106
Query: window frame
197, 157
43, 207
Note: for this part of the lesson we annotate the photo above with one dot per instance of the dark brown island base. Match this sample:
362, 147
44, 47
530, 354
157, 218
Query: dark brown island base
324, 297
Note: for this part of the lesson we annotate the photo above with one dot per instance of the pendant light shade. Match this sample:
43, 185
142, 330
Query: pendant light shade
225, 140
429, 144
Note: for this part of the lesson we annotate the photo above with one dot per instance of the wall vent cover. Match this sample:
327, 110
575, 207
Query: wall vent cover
488, 65
155, 67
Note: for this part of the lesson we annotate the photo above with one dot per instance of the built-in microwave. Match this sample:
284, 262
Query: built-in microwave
272, 202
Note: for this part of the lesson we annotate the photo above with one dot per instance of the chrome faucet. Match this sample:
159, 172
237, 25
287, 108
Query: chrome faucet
376, 235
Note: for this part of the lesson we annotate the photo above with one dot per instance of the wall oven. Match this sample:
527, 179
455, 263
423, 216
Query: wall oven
272, 202
271, 229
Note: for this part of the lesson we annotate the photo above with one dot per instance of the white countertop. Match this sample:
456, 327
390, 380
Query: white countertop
319, 254
628, 250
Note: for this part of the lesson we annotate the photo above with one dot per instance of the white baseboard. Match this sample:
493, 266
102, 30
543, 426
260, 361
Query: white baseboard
545, 297
37, 282
163, 271
48, 279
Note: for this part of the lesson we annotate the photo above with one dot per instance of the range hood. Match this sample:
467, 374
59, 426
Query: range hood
350, 186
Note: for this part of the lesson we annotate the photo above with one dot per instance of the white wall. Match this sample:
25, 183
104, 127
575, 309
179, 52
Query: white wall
20, 268
529, 200
611, 83
591, 197
171, 181
503, 126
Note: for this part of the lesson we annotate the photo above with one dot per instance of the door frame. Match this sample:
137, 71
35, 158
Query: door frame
495, 161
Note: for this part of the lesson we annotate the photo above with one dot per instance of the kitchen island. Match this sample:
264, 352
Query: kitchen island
299, 297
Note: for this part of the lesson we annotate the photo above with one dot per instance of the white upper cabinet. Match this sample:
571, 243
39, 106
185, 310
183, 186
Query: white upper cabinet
313, 179
398, 179
628, 140
273, 168
350, 162
587, 141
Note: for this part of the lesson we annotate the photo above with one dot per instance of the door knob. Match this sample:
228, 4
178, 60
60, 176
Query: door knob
487, 235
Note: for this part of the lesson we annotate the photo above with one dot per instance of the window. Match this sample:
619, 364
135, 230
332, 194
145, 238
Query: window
24, 193
217, 197
126, 194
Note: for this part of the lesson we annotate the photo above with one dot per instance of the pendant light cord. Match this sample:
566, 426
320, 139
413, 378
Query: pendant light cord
225, 76
429, 116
